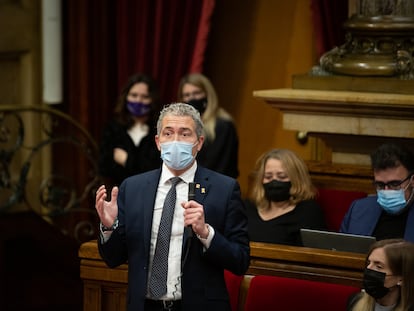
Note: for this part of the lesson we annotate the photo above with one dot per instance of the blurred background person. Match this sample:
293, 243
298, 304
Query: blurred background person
221, 145
127, 145
388, 278
282, 200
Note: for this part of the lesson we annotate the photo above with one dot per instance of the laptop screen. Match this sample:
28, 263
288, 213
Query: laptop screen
336, 241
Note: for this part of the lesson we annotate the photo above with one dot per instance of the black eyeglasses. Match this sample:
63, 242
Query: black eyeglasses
392, 185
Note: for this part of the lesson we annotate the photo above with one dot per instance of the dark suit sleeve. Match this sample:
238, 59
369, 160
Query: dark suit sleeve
114, 251
230, 245
345, 222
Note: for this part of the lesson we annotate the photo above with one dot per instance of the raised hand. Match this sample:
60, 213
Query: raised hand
107, 210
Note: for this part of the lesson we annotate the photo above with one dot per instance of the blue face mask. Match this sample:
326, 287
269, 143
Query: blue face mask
177, 154
138, 109
392, 201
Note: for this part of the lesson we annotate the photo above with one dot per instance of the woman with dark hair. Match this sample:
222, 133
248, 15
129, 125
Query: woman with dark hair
388, 278
282, 200
128, 145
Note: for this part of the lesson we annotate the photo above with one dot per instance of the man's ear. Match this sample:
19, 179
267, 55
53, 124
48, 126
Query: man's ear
157, 141
200, 143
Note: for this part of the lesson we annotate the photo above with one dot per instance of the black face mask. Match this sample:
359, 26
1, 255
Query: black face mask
374, 283
277, 191
199, 104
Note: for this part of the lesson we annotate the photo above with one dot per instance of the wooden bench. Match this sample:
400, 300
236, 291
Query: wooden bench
105, 288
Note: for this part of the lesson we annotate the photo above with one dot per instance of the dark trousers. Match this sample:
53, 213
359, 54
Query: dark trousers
159, 305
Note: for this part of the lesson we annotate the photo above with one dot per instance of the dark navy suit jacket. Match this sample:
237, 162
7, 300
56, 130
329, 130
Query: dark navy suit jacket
363, 215
203, 285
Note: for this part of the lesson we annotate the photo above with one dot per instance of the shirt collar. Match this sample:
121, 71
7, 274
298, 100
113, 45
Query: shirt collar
187, 176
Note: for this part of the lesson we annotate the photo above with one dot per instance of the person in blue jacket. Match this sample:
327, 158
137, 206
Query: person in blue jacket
390, 213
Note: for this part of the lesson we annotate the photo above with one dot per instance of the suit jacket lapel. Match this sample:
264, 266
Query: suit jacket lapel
201, 179
150, 188
202, 186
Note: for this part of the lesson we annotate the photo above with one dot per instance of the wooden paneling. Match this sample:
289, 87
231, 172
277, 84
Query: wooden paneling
256, 45
105, 288
307, 263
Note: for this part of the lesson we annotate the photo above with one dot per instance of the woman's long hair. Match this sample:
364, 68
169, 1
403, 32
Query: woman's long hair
122, 115
400, 256
213, 110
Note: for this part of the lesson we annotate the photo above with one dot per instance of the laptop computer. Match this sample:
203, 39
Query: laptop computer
336, 241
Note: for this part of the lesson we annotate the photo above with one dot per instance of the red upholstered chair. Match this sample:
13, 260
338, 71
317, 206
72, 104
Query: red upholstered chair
233, 287
335, 203
280, 293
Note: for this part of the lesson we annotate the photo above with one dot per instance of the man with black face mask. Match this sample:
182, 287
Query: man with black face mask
388, 278
389, 213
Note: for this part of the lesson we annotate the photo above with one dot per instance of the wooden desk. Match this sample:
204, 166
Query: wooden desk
307, 263
105, 288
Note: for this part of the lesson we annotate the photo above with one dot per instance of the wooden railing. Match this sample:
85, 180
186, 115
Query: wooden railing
307, 263
48, 177
105, 288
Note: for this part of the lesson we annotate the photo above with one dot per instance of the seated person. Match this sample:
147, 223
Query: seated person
388, 278
387, 214
282, 200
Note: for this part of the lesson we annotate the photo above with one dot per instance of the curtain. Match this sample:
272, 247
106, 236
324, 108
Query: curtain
328, 19
165, 39
89, 62
107, 41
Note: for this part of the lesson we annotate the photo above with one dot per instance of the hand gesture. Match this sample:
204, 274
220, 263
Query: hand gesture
194, 216
107, 210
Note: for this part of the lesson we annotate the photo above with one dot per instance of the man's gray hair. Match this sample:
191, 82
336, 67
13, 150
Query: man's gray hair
183, 110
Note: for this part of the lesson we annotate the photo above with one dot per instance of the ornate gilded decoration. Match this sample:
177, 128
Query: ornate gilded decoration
379, 42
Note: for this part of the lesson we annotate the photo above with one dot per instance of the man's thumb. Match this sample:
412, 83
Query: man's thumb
114, 194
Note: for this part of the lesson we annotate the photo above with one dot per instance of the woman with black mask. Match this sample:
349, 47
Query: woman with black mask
282, 200
388, 280
221, 144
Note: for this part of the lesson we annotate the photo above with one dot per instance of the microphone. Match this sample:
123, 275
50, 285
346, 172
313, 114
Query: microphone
191, 196
191, 190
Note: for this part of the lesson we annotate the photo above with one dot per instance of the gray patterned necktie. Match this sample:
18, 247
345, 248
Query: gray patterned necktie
158, 280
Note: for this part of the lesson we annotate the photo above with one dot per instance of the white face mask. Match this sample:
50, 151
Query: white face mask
177, 154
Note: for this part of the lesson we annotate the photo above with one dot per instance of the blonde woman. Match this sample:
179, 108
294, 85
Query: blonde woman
388, 278
282, 200
221, 145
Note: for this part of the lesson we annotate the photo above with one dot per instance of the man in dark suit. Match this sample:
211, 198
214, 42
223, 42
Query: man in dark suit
208, 233
390, 213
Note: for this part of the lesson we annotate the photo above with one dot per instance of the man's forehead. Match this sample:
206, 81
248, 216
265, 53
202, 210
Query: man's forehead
392, 173
172, 121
